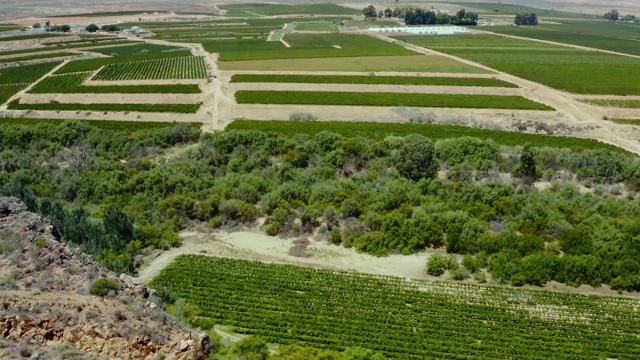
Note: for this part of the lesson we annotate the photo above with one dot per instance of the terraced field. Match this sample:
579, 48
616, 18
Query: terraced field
316, 26
556, 66
190, 67
119, 107
402, 318
355, 79
72, 84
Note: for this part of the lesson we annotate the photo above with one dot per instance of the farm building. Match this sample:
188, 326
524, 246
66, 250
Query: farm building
136, 30
427, 30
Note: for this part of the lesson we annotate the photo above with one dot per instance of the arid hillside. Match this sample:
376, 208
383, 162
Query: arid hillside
47, 312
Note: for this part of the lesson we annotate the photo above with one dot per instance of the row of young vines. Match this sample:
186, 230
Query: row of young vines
188, 67
400, 317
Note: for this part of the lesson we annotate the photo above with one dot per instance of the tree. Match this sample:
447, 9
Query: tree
37, 26
461, 14
415, 159
370, 12
251, 348
388, 13
612, 15
47, 24
65, 28
526, 19
526, 167
380, 14
92, 28
436, 265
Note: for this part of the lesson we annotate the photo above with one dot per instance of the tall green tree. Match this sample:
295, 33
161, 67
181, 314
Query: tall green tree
415, 159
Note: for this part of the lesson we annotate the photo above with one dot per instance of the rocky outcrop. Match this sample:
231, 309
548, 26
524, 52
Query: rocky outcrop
45, 301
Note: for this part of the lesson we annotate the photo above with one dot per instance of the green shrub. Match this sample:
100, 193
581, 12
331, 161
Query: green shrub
436, 265
102, 286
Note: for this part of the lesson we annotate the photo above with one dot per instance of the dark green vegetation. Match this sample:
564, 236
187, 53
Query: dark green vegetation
627, 121
113, 125
29, 37
355, 187
633, 104
87, 43
379, 131
7, 91
10, 27
584, 33
188, 67
402, 319
278, 9
95, 64
72, 84
55, 106
142, 49
25, 74
387, 99
355, 79
305, 46
52, 56
509, 9
559, 67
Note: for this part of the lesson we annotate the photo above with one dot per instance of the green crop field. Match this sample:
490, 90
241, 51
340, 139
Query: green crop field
190, 67
53, 56
95, 64
387, 99
115, 125
369, 23
54, 106
306, 46
402, 318
627, 46
141, 49
316, 26
379, 131
278, 9
72, 84
414, 63
67, 45
25, 74
499, 8
632, 104
572, 70
9, 27
355, 79
30, 37
7, 91
627, 121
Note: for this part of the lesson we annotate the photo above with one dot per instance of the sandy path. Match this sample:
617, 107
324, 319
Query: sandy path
423, 89
24, 91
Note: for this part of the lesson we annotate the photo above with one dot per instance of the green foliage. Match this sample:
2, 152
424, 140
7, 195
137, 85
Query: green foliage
170, 108
526, 167
359, 79
379, 131
72, 84
415, 159
189, 67
252, 296
251, 348
141, 49
436, 265
25, 74
103, 286
52, 56
386, 99
84, 65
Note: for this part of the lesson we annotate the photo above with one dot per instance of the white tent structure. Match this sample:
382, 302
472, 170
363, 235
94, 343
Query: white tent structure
427, 30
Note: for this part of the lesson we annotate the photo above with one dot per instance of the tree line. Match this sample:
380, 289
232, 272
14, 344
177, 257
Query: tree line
115, 193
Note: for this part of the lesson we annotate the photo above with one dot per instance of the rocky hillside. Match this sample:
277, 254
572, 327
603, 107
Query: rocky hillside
46, 311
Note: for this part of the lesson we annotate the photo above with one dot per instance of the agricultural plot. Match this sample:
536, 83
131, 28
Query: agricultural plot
190, 67
316, 46
402, 318
410, 63
316, 27
52, 56
25, 74
631, 104
510, 9
278, 9
30, 37
115, 125
627, 121
141, 49
379, 131
95, 64
387, 99
555, 66
627, 46
368, 23
355, 79
7, 91
72, 84
121, 107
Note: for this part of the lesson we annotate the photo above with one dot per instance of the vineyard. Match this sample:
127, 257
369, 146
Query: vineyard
363, 79
72, 84
25, 74
400, 317
387, 99
309, 41
316, 26
7, 91
379, 131
188, 67
632, 104
55, 106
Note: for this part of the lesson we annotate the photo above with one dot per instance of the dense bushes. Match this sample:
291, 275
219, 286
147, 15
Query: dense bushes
379, 197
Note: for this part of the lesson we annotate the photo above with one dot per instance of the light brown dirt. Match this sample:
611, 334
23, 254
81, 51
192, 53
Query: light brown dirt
113, 98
